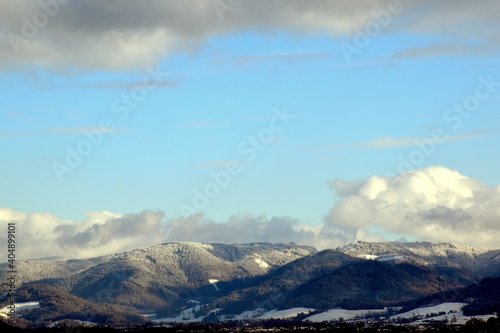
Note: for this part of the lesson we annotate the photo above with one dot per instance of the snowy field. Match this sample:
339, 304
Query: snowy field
186, 316
336, 314
283, 314
20, 308
81, 322
452, 312
444, 307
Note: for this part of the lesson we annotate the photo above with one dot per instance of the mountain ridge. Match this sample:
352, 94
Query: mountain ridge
167, 278
157, 276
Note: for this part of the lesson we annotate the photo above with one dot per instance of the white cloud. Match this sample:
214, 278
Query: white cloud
44, 234
41, 235
251, 228
434, 203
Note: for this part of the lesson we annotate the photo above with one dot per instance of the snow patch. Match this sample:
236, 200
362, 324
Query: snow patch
21, 307
444, 307
214, 283
387, 257
336, 314
453, 314
261, 263
455, 318
251, 314
369, 256
186, 316
81, 322
382, 257
149, 315
283, 314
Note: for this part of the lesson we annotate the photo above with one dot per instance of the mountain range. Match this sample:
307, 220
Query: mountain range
165, 279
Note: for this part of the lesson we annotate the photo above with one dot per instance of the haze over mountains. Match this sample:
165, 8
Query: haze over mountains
168, 278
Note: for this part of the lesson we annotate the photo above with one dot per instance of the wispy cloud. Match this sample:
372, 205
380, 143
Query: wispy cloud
124, 85
389, 142
288, 57
216, 163
452, 49
50, 83
205, 124
79, 130
60, 131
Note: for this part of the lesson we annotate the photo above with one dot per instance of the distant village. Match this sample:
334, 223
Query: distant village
474, 325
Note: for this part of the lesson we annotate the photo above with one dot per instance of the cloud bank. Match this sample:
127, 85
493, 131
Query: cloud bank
432, 204
41, 235
127, 34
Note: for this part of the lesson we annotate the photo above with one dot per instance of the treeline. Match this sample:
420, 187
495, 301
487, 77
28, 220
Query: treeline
472, 326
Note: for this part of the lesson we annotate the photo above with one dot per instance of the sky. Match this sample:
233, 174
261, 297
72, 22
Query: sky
126, 123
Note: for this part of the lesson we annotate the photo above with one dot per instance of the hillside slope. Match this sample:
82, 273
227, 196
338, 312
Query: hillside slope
161, 276
332, 279
56, 305
168, 278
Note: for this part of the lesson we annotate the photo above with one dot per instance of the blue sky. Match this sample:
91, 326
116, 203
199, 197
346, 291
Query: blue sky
222, 82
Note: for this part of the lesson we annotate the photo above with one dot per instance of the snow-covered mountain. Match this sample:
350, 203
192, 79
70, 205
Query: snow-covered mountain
424, 253
226, 281
459, 261
162, 275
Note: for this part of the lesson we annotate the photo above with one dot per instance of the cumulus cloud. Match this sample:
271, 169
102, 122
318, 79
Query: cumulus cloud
105, 232
113, 35
434, 203
45, 235
42, 235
